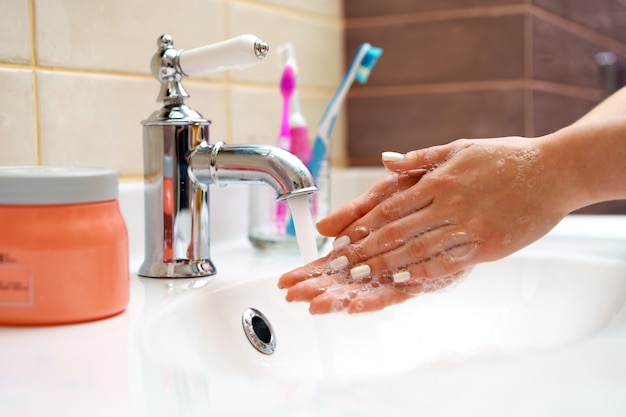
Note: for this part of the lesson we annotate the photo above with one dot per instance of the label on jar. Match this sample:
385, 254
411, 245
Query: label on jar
16, 283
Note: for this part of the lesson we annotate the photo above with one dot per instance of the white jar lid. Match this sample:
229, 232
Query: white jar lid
56, 185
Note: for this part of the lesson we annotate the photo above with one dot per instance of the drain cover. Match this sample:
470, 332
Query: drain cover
259, 331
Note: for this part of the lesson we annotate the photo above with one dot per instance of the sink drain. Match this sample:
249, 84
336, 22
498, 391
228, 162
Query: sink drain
259, 331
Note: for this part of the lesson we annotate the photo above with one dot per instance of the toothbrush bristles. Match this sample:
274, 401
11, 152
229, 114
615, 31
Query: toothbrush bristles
288, 80
367, 64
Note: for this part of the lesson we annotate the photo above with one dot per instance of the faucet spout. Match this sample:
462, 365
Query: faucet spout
223, 164
179, 166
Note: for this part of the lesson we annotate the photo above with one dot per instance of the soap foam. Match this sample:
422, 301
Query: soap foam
431, 155
525, 160
416, 287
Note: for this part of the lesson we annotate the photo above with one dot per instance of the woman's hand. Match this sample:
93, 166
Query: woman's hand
441, 211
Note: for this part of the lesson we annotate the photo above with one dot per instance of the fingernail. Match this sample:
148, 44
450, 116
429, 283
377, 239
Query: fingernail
339, 263
341, 242
360, 232
392, 156
401, 277
416, 172
359, 272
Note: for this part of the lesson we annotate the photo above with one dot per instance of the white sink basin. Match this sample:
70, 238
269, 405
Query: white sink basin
542, 334
540, 298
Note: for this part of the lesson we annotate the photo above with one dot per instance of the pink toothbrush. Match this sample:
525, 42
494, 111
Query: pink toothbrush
300, 145
287, 87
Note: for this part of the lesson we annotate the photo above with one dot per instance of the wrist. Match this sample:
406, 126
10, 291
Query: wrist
559, 186
587, 162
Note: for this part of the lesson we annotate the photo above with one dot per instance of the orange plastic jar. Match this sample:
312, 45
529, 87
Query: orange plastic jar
63, 246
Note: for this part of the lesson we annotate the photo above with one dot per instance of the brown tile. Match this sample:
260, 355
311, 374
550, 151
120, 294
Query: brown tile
564, 57
553, 111
486, 48
369, 8
403, 123
604, 16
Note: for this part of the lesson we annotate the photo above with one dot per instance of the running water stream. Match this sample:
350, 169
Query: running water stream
305, 230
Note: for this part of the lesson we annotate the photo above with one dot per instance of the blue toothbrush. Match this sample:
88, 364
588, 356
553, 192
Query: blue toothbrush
360, 69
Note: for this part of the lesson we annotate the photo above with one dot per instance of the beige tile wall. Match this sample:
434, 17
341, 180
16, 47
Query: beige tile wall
75, 79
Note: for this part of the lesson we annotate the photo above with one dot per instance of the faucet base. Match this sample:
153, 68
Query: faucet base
178, 268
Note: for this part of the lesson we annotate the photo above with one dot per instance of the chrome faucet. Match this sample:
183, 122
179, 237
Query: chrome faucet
180, 163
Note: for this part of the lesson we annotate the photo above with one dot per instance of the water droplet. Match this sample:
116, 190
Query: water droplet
458, 246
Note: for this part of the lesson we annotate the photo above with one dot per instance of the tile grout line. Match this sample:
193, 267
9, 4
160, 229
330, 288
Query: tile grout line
226, 81
529, 119
470, 86
33, 61
488, 11
261, 86
285, 10
577, 29
436, 15
82, 71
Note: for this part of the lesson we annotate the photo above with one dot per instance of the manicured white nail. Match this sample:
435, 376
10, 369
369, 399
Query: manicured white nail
392, 156
359, 272
341, 242
401, 277
339, 263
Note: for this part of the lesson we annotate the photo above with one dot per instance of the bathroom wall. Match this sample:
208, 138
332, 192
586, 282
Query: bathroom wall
75, 78
475, 68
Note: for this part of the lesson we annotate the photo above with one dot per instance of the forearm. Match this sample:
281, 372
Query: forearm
587, 160
612, 106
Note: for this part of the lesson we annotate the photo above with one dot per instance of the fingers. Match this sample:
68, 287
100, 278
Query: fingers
311, 270
309, 289
398, 207
325, 298
352, 300
327, 294
436, 253
423, 286
391, 235
359, 207
332, 292
356, 208
392, 197
424, 159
